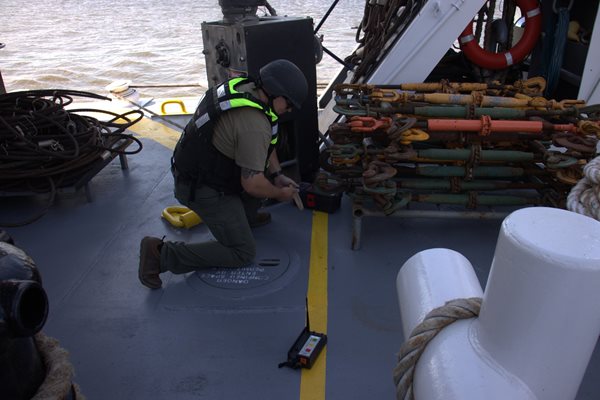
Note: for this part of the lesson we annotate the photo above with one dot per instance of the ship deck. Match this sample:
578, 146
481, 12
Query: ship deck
221, 334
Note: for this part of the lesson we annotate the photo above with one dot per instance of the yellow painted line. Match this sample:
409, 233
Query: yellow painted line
312, 382
156, 131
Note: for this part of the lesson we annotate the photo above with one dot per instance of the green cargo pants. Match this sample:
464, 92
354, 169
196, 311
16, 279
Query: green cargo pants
226, 217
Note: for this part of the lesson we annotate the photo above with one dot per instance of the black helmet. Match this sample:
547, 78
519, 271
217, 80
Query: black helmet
284, 78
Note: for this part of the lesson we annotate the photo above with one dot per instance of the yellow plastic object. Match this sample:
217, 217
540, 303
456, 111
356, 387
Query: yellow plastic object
181, 217
573, 32
173, 101
413, 135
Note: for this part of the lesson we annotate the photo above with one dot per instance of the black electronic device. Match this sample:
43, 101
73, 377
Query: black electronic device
315, 199
306, 348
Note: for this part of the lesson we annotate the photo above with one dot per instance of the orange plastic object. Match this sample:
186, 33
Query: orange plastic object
368, 124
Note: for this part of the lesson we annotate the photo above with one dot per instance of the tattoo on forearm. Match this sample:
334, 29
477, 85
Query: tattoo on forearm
249, 173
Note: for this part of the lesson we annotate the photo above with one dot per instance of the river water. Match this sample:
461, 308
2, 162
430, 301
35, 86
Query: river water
87, 44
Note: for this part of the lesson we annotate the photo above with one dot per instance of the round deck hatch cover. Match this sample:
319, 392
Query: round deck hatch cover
270, 264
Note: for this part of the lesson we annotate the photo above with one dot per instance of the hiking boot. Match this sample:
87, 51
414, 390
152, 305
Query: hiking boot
260, 219
149, 268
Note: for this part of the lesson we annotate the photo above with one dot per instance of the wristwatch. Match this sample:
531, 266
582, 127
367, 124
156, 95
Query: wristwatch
275, 174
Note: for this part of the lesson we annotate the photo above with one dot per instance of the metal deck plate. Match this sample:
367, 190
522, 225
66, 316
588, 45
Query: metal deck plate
271, 271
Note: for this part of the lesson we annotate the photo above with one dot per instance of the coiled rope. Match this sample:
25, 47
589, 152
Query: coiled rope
44, 147
434, 322
584, 197
382, 24
58, 383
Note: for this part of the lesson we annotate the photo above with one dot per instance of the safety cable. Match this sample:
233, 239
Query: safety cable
331, 8
559, 41
272, 11
39, 214
45, 147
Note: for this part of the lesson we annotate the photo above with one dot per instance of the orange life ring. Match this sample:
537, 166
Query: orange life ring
489, 60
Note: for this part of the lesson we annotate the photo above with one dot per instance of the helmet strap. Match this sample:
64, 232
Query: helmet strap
270, 98
270, 104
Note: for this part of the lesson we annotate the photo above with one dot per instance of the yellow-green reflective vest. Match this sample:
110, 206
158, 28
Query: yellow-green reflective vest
196, 159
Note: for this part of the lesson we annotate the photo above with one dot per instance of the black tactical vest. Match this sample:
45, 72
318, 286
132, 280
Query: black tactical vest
196, 159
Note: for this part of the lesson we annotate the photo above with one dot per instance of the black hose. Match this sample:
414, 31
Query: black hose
44, 147
37, 215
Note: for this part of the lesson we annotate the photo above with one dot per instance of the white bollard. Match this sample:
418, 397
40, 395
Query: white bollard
539, 320
540, 316
429, 279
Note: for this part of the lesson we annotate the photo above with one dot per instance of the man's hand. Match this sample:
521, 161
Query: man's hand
257, 185
286, 193
283, 181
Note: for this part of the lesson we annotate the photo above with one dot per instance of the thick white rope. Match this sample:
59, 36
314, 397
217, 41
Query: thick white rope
434, 322
59, 372
584, 197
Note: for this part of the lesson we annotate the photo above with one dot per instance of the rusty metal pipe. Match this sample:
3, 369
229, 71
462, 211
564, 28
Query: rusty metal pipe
469, 125
465, 199
462, 185
516, 137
